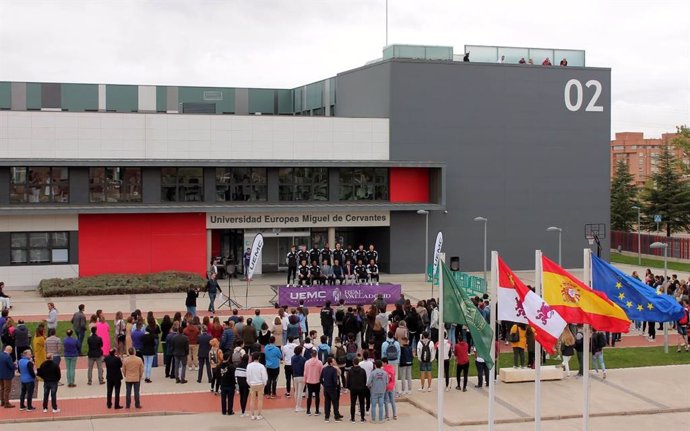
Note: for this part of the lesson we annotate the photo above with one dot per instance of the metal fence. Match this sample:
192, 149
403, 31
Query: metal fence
678, 248
473, 286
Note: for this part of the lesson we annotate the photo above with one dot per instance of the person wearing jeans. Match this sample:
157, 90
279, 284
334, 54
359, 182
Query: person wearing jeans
27, 377
133, 371
49, 371
148, 350
273, 356
377, 383
257, 377
389, 397
212, 288
297, 365
598, 343
71, 351
204, 343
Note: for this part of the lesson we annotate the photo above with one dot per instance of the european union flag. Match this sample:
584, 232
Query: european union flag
640, 302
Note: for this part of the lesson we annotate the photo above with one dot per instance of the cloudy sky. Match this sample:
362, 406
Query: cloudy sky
285, 43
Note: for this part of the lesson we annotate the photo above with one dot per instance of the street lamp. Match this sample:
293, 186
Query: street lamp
426, 244
560, 232
639, 241
486, 222
658, 245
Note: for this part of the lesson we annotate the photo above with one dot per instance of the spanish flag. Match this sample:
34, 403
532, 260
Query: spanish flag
577, 303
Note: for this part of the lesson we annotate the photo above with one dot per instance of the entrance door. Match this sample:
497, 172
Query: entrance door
269, 255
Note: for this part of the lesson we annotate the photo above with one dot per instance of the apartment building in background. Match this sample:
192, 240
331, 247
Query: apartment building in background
640, 153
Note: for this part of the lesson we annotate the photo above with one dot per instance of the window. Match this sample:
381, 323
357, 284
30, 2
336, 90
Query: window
240, 184
113, 185
39, 185
363, 184
182, 184
303, 184
39, 248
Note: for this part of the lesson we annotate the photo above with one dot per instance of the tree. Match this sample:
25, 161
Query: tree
623, 199
682, 142
667, 195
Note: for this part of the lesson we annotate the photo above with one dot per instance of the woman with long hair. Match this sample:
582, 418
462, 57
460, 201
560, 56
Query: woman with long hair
166, 326
567, 349
39, 345
103, 331
277, 331
120, 336
216, 329
155, 330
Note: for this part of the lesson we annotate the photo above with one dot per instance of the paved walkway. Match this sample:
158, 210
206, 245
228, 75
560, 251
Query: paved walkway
657, 395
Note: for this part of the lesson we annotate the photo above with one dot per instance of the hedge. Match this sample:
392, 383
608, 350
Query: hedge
119, 284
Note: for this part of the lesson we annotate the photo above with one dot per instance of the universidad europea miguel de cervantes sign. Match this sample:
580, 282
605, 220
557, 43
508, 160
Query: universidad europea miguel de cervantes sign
287, 220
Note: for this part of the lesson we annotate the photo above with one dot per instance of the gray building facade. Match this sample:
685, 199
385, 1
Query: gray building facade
524, 146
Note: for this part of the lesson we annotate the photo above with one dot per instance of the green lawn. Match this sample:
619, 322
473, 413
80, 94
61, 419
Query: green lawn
649, 262
625, 357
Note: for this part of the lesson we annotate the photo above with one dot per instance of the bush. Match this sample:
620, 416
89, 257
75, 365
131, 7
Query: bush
121, 284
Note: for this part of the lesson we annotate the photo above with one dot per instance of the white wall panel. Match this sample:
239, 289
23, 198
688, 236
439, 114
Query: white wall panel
67, 222
169, 136
31, 275
147, 98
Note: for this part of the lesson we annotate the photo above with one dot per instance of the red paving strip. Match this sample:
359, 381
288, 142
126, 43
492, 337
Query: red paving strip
151, 405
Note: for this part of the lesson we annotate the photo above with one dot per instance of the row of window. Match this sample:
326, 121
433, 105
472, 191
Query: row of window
124, 184
39, 248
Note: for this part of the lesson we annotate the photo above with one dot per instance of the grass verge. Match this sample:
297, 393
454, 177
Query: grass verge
649, 262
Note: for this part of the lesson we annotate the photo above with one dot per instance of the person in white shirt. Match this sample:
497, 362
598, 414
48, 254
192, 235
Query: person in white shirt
448, 349
502, 59
288, 352
367, 364
257, 377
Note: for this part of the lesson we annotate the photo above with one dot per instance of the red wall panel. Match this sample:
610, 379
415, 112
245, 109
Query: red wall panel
409, 185
141, 243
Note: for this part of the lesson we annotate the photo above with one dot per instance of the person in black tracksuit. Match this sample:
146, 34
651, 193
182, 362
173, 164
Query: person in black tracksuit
361, 254
338, 254
303, 274
291, 260
372, 254
326, 254
331, 389
357, 383
349, 255
361, 272
315, 273
327, 321
314, 254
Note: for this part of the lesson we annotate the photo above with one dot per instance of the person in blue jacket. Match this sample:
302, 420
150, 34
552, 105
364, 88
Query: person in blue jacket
273, 355
27, 377
7, 368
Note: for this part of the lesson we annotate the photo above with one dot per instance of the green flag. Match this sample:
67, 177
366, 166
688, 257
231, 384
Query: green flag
457, 308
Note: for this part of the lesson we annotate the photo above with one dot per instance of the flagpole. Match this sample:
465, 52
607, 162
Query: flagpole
587, 279
538, 282
493, 296
441, 344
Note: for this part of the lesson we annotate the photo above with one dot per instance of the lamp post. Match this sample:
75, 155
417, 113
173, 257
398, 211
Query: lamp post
639, 241
658, 245
560, 232
425, 213
486, 222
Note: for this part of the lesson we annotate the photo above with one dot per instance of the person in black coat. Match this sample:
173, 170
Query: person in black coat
95, 354
226, 374
331, 389
113, 378
49, 371
357, 382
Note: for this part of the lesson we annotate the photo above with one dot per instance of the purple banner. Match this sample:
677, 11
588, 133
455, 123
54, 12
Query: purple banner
357, 294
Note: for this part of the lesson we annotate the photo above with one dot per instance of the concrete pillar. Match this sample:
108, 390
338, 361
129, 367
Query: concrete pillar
209, 244
331, 237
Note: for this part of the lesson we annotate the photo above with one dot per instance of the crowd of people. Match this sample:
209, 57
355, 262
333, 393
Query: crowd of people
502, 60
366, 352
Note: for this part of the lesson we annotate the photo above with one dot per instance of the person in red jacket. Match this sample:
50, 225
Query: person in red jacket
461, 353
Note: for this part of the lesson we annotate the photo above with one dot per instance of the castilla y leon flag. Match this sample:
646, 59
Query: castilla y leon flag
578, 303
546, 322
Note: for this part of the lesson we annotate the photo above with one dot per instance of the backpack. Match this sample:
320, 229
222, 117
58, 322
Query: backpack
322, 354
351, 351
391, 352
515, 336
426, 352
236, 357
307, 352
600, 340
340, 316
340, 355
683, 320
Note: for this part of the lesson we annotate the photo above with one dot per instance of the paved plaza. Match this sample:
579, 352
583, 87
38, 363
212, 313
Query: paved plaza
628, 399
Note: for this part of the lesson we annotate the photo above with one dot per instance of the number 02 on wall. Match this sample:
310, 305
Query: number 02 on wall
574, 101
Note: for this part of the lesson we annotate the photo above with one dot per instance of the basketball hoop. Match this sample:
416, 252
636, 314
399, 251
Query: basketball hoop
590, 239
